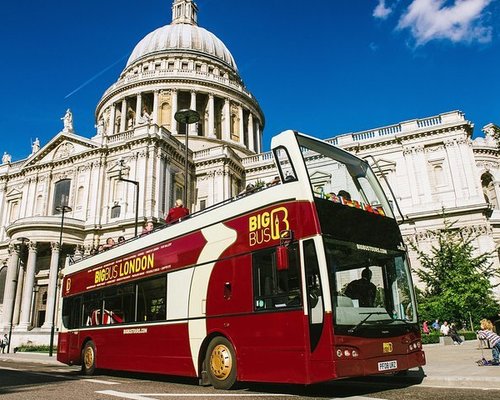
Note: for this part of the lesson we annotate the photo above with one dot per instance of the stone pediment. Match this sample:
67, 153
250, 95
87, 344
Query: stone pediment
320, 177
62, 146
382, 165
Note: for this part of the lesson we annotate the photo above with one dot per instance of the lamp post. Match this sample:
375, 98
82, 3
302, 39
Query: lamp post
63, 209
23, 240
136, 183
186, 116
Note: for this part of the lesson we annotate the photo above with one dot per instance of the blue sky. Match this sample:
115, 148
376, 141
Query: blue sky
323, 67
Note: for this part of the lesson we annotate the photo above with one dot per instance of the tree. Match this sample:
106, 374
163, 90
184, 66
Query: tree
458, 282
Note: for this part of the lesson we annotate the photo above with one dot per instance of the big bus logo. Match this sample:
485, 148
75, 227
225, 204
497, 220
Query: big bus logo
68, 285
266, 226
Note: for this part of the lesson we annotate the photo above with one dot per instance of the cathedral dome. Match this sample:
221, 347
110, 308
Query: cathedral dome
182, 35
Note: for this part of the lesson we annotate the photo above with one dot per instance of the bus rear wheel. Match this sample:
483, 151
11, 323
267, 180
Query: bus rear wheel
220, 362
88, 358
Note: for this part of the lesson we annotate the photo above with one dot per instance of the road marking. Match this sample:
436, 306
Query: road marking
100, 381
148, 396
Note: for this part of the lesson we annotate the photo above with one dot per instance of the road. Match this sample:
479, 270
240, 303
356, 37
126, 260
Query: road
24, 381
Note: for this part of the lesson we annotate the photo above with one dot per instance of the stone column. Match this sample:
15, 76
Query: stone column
19, 293
123, 118
10, 284
241, 127
259, 138
423, 171
29, 283
52, 290
193, 128
251, 144
154, 115
412, 181
226, 125
112, 117
173, 128
211, 116
138, 110
457, 185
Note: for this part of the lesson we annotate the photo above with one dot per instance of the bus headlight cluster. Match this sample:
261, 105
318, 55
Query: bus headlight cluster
347, 352
415, 346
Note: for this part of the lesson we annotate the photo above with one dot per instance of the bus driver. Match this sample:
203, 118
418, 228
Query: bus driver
362, 289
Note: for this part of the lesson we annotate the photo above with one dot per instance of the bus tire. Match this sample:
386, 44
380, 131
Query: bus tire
88, 358
220, 362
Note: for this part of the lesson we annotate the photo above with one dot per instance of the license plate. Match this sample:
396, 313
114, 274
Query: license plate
387, 365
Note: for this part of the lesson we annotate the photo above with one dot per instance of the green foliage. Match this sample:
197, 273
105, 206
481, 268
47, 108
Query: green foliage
432, 337
34, 349
458, 281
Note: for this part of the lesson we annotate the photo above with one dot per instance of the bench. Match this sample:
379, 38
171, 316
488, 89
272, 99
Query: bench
447, 340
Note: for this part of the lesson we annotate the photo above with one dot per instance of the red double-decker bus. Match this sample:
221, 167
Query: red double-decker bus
303, 281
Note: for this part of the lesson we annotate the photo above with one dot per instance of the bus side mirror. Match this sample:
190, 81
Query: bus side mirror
282, 261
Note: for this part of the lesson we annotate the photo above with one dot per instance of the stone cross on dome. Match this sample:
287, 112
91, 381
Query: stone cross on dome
184, 12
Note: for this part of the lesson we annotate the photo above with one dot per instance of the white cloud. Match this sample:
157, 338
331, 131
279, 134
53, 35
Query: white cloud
433, 19
382, 11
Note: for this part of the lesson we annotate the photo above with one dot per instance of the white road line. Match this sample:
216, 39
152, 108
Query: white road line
100, 381
149, 396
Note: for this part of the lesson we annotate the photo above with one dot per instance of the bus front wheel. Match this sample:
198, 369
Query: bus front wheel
88, 358
220, 362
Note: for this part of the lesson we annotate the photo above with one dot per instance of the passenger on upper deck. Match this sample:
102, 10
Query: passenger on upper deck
148, 228
177, 213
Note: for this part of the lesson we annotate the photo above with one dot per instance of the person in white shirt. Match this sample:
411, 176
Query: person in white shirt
445, 329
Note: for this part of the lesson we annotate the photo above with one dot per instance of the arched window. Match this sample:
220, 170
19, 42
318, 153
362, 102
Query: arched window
79, 197
61, 194
489, 189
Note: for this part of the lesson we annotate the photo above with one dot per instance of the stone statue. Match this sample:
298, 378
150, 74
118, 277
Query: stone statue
35, 146
145, 117
7, 158
68, 121
100, 127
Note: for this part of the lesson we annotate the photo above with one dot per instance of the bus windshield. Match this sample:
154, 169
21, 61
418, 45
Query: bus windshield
369, 285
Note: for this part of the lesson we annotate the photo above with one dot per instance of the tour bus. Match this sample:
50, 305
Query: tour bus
261, 287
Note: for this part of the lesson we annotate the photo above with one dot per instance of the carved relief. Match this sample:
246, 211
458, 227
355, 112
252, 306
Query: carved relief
64, 151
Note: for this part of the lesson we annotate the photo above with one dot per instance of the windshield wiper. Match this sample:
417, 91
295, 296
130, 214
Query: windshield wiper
354, 328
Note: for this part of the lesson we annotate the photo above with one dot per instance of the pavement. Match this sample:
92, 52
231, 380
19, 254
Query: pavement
447, 366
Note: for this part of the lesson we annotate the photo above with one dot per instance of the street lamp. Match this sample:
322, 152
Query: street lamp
23, 240
186, 116
63, 209
136, 183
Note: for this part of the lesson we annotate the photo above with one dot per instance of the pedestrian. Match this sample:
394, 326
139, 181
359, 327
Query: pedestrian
454, 334
425, 327
435, 325
176, 213
4, 342
486, 333
445, 329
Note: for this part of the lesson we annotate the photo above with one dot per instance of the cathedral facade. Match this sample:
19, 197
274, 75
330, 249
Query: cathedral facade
74, 192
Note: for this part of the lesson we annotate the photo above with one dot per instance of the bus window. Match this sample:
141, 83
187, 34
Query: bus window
92, 305
151, 301
71, 312
285, 165
314, 292
272, 288
119, 305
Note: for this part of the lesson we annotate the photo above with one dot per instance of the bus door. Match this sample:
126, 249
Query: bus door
320, 343
275, 332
